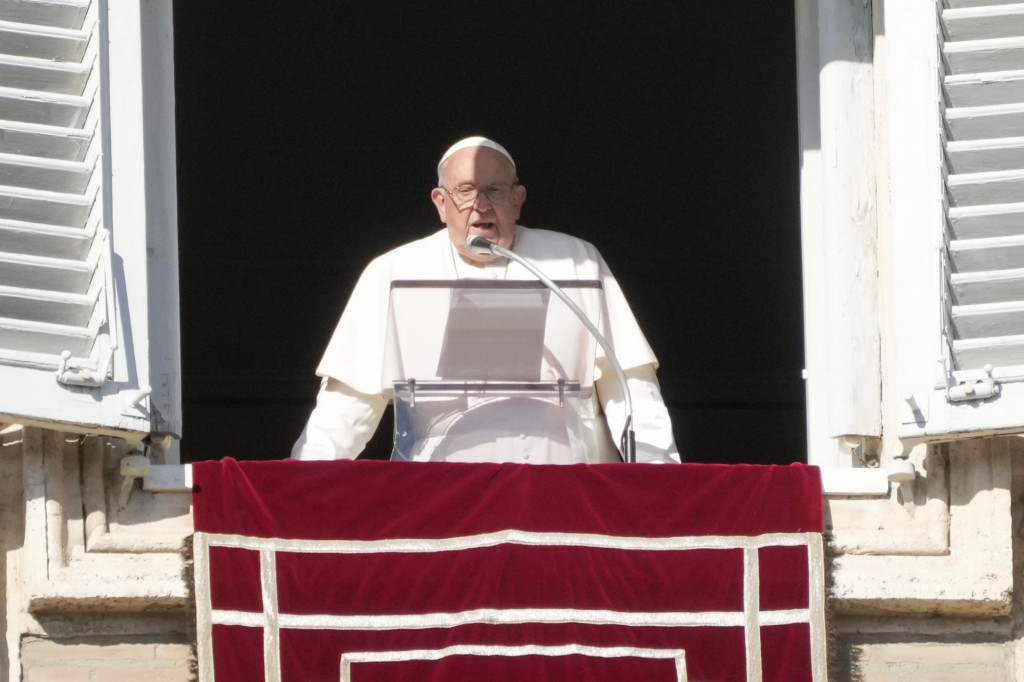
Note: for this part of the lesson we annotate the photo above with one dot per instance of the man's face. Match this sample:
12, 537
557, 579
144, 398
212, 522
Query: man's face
483, 169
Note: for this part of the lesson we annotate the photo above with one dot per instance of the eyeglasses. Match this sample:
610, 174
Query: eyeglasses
467, 194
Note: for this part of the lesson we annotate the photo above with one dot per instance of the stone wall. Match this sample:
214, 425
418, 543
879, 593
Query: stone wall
928, 586
107, 659
93, 565
932, 661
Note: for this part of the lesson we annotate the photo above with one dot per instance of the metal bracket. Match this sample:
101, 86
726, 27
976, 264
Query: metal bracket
99, 368
976, 387
72, 372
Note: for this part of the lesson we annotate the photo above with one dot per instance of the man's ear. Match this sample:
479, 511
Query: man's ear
437, 196
518, 196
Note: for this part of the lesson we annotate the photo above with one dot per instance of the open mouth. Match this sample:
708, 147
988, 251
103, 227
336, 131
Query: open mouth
482, 226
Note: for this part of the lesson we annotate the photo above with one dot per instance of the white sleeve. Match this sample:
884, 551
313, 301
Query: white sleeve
651, 423
341, 424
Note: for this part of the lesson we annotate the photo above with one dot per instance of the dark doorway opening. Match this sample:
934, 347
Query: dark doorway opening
663, 132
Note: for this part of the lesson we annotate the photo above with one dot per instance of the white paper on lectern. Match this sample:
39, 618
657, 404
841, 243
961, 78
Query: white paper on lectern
486, 330
485, 359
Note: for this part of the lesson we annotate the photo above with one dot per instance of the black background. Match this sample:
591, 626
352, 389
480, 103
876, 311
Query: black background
663, 132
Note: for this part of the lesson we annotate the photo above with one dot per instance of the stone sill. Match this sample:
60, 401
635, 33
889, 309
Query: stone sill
110, 582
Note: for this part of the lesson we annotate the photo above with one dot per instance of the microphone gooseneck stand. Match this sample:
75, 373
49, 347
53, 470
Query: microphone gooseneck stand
627, 442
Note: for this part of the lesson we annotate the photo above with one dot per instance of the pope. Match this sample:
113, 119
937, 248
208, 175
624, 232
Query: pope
479, 193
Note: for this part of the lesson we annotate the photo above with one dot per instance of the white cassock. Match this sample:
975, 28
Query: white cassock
352, 397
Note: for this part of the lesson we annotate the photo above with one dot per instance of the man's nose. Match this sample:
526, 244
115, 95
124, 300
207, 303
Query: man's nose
482, 202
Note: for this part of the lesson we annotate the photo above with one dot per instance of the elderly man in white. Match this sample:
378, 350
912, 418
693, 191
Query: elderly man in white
478, 193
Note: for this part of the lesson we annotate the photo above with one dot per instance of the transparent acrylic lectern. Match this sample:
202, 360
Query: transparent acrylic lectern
490, 370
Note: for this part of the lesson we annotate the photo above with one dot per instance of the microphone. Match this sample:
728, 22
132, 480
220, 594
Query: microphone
627, 442
481, 245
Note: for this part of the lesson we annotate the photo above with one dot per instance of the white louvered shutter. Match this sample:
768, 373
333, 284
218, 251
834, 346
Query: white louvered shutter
70, 270
984, 92
980, 384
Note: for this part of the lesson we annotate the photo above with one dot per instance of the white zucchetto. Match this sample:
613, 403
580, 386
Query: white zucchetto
475, 141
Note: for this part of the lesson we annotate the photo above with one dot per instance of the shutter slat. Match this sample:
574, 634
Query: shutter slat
43, 42
959, 4
974, 23
984, 89
44, 174
37, 206
50, 142
47, 306
68, 14
42, 337
977, 156
996, 187
51, 274
979, 255
985, 320
984, 56
997, 220
34, 239
988, 286
46, 108
976, 123
1002, 351
43, 76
